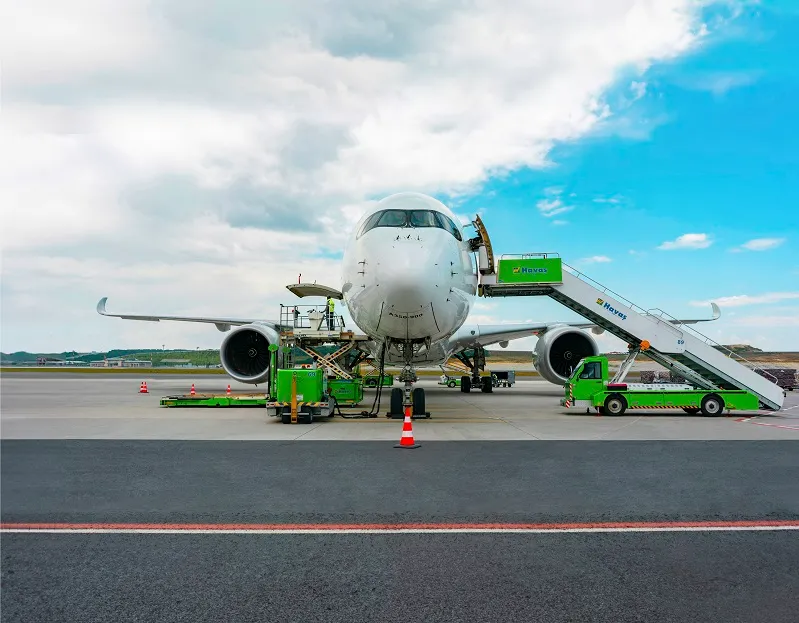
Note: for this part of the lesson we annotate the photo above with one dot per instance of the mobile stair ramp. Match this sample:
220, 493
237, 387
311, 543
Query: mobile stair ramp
670, 342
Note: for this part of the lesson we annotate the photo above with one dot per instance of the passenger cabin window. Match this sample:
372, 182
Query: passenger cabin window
410, 218
591, 370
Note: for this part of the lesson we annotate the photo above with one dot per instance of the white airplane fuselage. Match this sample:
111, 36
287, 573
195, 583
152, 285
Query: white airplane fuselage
408, 275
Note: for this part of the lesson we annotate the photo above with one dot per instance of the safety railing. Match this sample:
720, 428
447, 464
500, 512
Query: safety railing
673, 321
527, 255
731, 354
313, 317
605, 289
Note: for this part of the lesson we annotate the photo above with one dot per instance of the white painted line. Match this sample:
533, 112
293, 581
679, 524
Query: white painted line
397, 530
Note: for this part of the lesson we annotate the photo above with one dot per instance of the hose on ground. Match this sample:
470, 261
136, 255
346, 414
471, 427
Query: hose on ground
375, 410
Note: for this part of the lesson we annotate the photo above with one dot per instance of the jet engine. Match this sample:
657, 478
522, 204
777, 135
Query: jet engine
559, 351
245, 352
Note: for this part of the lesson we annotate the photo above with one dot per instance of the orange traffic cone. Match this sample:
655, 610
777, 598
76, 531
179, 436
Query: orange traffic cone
192, 390
406, 441
143, 388
228, 389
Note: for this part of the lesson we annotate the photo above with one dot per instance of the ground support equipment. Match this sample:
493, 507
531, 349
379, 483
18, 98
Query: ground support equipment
673, 344
215, 400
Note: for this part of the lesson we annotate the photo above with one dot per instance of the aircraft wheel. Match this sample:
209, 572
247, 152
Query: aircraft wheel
418, 401
615, 404
487, 385
396, 402
712, 405
466, 384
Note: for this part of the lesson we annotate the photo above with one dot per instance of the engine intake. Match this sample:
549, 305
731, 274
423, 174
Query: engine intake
559, 350
245, 352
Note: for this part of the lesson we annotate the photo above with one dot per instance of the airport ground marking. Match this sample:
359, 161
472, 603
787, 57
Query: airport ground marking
400, 528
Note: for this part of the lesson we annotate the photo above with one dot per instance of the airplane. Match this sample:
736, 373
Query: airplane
409, 281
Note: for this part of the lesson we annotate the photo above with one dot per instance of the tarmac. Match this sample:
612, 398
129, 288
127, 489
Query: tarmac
114, 508
85, 406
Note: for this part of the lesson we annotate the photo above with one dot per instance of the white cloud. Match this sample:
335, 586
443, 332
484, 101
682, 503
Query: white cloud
559, 222
615, 199
720, 83
688, 241
194, 144
740, 300
638, 89
550, 207
767, 321
760, 244
595, 259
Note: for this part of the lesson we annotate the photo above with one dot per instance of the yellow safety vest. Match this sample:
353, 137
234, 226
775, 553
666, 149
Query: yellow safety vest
331, 306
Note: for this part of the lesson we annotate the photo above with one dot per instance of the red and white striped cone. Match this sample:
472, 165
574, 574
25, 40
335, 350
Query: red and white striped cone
228, 390
143, 388
406, 441
192, 392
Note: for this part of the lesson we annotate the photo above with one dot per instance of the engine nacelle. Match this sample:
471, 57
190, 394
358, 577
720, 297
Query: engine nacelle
245, 352
559, 351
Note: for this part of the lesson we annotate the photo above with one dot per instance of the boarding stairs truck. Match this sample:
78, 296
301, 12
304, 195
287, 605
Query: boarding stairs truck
676, 346
589, 387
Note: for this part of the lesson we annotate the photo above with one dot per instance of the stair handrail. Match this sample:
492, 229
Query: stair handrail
645, 312
604, 289
711, 342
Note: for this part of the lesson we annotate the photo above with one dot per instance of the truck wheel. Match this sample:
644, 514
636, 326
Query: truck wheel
466, 384
451, 384
712, 405
615, 404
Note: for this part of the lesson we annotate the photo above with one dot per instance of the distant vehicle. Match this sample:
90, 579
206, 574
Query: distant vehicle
503, 378
449, 381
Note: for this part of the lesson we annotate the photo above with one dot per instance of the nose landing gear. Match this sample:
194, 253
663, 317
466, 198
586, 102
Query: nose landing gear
409, 397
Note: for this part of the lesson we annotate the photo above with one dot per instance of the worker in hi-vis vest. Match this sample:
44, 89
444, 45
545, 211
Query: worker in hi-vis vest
331, 311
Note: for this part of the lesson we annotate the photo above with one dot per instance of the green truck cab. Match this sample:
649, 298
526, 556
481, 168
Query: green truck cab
590, 387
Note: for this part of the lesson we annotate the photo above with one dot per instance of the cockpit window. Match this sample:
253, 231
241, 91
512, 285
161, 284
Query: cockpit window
446, 223
422, 218
410, 218
393, 218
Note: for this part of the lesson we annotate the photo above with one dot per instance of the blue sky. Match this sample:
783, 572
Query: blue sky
193, 162
710, 148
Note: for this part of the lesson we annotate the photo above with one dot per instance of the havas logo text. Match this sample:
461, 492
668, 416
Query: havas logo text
527, 271
610, 309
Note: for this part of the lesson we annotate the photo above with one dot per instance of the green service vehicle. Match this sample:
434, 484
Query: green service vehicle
371, 380
589, 387
449, 381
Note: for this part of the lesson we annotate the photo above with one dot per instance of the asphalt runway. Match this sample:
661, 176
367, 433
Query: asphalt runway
113, 508
724, 575
100, 406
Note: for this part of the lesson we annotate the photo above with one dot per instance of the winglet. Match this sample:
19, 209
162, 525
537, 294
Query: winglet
101, 306
716, 311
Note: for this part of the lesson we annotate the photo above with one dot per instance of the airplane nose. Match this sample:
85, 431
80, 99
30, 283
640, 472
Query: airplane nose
411, 274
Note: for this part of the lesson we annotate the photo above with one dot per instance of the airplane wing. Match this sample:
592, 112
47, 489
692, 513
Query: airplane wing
469, 336
223, 324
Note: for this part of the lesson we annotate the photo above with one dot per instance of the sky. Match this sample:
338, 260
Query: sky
193, 158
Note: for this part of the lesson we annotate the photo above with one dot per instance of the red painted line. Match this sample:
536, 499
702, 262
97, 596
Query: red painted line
756, 523
775, 425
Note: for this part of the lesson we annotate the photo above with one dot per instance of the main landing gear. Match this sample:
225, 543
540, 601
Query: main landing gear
475, 363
